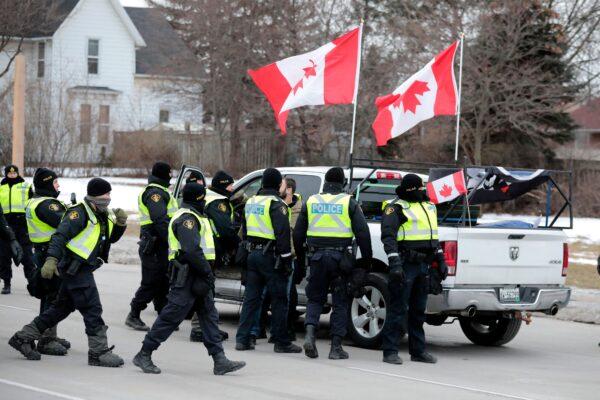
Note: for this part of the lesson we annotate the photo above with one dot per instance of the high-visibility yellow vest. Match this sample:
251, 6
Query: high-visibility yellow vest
145, 214
85, 242
422, 221
205, 229
14, 198
212, 196
329, 215
258, 217
38, 230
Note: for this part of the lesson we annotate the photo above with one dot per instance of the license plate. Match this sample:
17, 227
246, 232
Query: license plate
510, 295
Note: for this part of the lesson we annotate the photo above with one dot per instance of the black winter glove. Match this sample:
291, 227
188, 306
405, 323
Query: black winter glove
299, 272
441, 262
396, 269
284, 265
17, 251
356, 286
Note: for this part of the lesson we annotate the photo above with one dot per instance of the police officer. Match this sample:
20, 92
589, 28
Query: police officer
79, 246
327, 224
219, 210
44, 213
14, 193
266, 227
409, 234
191, 246
156, 206
9, 244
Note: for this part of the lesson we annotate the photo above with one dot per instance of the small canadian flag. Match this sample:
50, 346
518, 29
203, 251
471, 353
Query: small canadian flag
447, 188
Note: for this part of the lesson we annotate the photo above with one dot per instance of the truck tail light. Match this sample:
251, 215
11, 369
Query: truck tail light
451, 256
565, 263
388, 175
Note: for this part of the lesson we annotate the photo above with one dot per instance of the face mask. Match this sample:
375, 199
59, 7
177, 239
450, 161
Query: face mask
101, 204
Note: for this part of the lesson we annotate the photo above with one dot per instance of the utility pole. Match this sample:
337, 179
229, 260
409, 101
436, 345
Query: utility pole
18, 134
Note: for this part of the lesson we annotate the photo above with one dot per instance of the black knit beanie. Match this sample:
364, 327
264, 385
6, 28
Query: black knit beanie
43, 180
335, 175
195, 177
162, 170
98, 187
221, 180
271, 179
10, 168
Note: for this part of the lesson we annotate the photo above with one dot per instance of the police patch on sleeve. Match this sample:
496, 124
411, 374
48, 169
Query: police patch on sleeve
155, 197
73, 215
54, 207
389, 210
189, 223
222, 207
284, 211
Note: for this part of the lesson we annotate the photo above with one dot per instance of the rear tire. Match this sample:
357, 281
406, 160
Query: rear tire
492, 331
366, 316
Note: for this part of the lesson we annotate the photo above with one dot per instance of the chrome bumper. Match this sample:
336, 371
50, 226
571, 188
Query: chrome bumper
487, 300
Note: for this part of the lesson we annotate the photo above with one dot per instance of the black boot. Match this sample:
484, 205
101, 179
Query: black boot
64, 342
99, 354
50, 346
337, 352
223, 365
24, 341
196, 335
6, 288
287, 348
424, 357
392, 358
25, 347
134, 321
143, 359
243, 346
224, 335
310, 346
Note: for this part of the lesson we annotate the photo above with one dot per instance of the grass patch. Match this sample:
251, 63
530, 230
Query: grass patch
583, 276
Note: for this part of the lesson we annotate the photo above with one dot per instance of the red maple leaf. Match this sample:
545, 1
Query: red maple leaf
446, 191
409, 98
308, 72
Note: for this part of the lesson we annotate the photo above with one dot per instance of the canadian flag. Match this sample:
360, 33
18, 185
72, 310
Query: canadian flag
447, 188
327, 75
429, 92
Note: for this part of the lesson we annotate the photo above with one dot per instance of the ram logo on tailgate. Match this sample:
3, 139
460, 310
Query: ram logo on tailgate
513, 252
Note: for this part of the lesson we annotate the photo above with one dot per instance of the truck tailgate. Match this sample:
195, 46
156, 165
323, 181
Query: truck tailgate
509, 256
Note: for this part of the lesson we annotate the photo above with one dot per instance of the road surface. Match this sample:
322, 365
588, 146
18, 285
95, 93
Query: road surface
549, 359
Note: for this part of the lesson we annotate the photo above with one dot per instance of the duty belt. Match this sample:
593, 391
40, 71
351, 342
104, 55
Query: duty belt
314, 249
260, 246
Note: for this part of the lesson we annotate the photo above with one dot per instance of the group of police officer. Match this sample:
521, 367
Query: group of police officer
181, 244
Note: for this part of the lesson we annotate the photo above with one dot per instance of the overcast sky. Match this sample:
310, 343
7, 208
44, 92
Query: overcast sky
134, 3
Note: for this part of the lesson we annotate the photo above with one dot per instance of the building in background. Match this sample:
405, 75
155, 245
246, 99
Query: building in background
99, 68
584, 150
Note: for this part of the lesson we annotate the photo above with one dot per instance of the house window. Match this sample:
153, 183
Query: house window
85, 123
163, 116
93, 56
41, 59
103, 124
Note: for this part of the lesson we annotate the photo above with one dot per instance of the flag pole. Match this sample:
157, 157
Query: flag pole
462, 38
360, 30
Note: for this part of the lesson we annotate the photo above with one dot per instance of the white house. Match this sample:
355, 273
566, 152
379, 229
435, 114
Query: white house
101, 67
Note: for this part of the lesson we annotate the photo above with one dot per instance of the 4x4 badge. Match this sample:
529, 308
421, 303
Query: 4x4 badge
513, 252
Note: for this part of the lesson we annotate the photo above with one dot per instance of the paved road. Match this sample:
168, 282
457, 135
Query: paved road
550, 359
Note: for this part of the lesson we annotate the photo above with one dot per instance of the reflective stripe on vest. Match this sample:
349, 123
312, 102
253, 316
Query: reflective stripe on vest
14, 198
258, 217
145, 214
38, 230
207, 240
212, 196
85, 242
421, 224
329, 215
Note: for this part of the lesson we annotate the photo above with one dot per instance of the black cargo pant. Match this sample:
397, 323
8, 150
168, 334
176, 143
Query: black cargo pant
154, 286
47, 289
325, 275
78, 292
406, 310
19, 227
181, 300
261, 273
